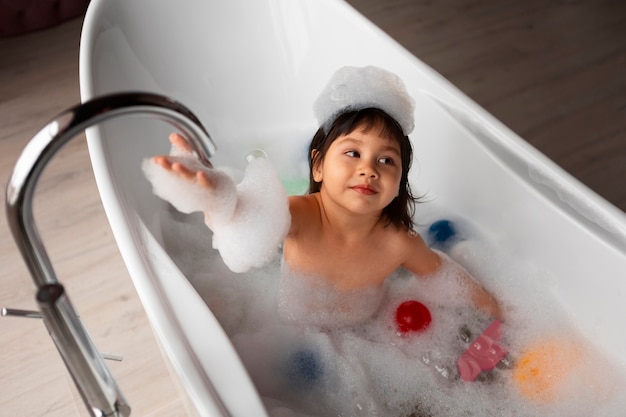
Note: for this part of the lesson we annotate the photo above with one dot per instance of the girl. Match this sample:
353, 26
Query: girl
354, 227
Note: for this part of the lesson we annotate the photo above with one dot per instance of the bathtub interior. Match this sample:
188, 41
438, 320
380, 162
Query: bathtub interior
250, 71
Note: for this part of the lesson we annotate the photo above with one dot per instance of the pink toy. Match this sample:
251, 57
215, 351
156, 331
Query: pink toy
483, 354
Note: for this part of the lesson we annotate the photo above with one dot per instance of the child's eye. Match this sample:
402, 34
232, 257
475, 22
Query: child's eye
386, 160
353, 154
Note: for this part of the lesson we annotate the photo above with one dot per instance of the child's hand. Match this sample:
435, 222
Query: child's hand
189, 185
173, 163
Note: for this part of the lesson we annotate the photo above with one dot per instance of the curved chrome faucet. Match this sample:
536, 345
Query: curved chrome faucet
95, 383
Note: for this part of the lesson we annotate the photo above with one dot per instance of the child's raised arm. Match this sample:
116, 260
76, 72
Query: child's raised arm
249, 220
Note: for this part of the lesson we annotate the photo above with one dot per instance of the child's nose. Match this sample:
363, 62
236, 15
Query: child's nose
368, 169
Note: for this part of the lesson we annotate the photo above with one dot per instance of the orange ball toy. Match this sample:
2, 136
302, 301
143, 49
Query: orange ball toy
542, 368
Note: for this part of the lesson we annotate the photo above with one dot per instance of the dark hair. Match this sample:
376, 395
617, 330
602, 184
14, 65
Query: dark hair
400, 211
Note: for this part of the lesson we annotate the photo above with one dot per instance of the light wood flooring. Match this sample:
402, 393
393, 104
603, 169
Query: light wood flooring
39, 79
553, 72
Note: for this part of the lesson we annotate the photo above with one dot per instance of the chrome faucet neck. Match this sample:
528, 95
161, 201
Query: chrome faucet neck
93, 379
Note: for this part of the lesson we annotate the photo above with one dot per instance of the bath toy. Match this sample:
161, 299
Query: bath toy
305, 368
442, 234
542, 368
412, 316
483, 354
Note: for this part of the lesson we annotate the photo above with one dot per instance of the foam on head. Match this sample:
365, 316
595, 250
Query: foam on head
357, 88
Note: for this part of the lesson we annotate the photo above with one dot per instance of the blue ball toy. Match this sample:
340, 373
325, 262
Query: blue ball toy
442, 234
305, 368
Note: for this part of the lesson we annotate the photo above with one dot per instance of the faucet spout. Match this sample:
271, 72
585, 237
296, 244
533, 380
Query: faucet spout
93, 379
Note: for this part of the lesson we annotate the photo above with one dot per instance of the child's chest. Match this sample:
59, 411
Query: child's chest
346, 266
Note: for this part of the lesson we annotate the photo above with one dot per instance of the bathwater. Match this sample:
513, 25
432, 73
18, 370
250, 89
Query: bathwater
313, 351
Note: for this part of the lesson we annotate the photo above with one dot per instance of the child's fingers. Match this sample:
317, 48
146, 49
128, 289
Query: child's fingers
183, 171
176, 167
162, 161
204, 180
199, 176
180, 142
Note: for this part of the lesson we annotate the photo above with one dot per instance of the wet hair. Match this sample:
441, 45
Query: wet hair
400, 211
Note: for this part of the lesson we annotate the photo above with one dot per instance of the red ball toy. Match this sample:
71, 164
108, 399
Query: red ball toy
412, 316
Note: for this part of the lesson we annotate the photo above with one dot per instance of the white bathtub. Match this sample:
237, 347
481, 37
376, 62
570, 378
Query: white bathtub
250, 70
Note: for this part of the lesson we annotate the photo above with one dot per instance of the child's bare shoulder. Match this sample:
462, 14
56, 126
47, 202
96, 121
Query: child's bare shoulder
404, 236
303, 203
302, 208
415, 253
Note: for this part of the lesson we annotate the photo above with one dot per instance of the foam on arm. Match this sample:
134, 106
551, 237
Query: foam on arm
260, 222
249, 220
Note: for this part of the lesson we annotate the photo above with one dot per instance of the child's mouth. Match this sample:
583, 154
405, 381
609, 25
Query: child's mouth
364, 189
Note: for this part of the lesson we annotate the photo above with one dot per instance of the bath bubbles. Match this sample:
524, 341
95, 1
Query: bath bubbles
315, 352
259, 224
309, 300
357, 88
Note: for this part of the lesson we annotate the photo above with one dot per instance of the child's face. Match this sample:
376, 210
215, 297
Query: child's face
361, 171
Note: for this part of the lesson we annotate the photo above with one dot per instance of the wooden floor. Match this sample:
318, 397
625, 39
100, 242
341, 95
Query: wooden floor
39, 79
552, 71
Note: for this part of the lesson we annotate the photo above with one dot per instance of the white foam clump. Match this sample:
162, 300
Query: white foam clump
249, 220
356, 88
260, 222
